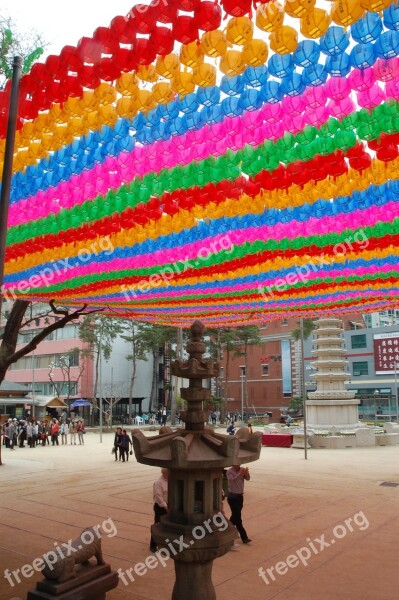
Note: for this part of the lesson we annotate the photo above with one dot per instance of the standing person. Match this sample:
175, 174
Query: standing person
160, 492
54, 432
64, 433
29, 434
231, 429
117, 443
235, 477
164, 415
124, 445
80, 429
72, 431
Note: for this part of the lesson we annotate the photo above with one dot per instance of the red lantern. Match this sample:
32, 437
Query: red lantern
144, 50
162, 41
107, 69
106, 37
165, 11
144, 17
237, 8
89, 50
185, 29
188, 5
209, 16
387, 153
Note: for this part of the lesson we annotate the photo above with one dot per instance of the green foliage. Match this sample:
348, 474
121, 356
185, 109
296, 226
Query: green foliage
99, 332
29, 45
308, 327
296, 404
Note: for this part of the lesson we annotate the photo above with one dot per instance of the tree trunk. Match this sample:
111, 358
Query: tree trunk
131, 386
10, 336
154, 382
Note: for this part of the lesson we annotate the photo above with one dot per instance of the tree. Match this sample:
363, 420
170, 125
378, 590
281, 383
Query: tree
139, 350
228, 341
308, 327
247, 335
155, 337
29, 45
99, 332
17, 321
65, 363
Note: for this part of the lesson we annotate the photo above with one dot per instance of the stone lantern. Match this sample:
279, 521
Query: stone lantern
195, 457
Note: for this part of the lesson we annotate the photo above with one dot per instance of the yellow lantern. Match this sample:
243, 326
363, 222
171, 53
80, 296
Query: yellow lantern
270, 16
73, 107
239, 30
89, 101
76, 126
284, 40
147, 73
126, 84
214, 43
346, 12
91, 120
204, 75
162, 92
56, 114
167, 66
255, 53
375, 5
298, 8
232, 63
108, 114
144, 101
315, 23
126, 107
105, 93
183, 83
192, 55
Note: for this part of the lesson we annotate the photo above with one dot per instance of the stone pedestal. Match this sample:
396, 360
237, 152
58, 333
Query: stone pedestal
391, 428
90, 583
387, 439
299, 441
365, 436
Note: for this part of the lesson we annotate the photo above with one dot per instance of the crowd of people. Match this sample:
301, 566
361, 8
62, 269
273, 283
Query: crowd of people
37, 432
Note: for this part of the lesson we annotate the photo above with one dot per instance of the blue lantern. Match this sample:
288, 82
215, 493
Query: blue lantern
367, 29
189, 103
231, 106
194, 121
307, 53
250, 100
338, 65
271, 92
292, 85
178, 126
391, 17
255, 76
335, 41
232, 86
314, 75
169, 111
208, 96
387, 45
281, 65
362, 56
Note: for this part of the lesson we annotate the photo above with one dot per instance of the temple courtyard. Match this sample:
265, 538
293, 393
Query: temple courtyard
322, 528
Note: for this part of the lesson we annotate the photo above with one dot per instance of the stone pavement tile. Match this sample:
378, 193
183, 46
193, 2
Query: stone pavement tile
51, 494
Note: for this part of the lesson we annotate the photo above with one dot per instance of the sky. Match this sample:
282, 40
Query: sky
65, 23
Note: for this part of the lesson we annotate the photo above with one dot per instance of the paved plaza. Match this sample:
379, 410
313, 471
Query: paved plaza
322, 528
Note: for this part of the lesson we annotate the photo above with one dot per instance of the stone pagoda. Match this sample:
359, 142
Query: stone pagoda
195, 457
331, 406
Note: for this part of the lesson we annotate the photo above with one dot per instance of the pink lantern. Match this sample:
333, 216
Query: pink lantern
294, 105
371, 98
386, 70
315, 96
341, 108
316, 116
338, 88
273, 113
361, 80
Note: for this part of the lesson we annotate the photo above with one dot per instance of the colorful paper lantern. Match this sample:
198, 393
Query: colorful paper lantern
346, 12
270, 16
167, 66
284, 40
232, 63
315, 23
214, 43
239, 30
192, 55
255, 53
204, 75
298, 8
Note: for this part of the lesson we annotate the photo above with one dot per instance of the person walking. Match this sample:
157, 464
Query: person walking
164, 416
80, 428
236, 476
124, 445
117, 443
54, 432
160, 493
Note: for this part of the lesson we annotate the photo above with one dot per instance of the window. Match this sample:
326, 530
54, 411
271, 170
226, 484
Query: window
359, 341
284, 322
361, 368
242, 372
265, 369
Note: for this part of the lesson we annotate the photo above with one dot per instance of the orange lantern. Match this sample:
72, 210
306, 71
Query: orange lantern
73, 107
144, 101
204, 75
147, 73
183, 83
346, 12
126, 84
232, 63
315, 23
126, 107
239, 30
162, 92
298, 8
88, 101
192, 55
375, 5
167, 66
255, 53
105, 93
270, 16
284, 40
214, 43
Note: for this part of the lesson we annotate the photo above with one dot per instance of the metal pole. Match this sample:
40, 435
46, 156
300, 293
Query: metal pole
305, 433
7, 169
396, 392
101, 398
242, 397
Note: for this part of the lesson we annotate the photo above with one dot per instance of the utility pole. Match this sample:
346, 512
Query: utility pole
305, 433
